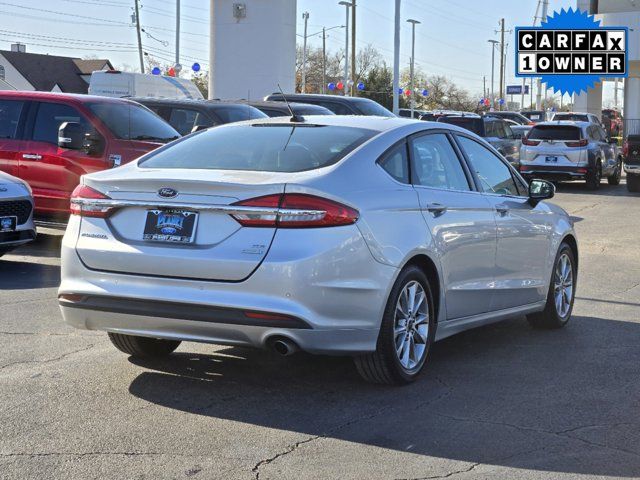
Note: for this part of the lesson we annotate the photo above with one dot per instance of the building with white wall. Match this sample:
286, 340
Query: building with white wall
253, 48
617, 13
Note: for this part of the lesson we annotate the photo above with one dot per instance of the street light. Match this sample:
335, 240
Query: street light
493, 62
346, 45
413, 23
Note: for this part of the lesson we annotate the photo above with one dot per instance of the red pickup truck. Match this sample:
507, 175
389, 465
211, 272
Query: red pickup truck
51, 139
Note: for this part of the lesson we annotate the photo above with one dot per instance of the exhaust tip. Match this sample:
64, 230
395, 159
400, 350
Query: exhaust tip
284, 346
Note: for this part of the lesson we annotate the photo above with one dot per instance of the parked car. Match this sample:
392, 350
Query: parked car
631, 154
514, 116
417, 114
570, 151
535, 116
612, 121
362, 236
577, 117
16, 213
187, 115
280, 109
520, 131
495, 130
51, 139
338, 104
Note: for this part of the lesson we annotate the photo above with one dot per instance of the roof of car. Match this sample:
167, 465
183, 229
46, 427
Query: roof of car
189, 101
319, 96
283, 106
563, 122
53, 96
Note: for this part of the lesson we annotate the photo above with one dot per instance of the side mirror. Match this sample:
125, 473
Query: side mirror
540, 190
71, 136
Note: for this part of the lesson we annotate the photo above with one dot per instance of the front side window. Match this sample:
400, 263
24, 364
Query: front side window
129, 121
396, 163
262, 147
435, 163
10, 111
49, 118
495, 176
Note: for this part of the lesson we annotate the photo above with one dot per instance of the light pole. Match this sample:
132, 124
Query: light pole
177, 66
396, 60
305, 17
413, 23
493, 64
346, 46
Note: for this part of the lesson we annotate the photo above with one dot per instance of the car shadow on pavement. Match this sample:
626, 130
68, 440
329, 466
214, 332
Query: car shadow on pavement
604, 190
45, 245
503, 395
17, 275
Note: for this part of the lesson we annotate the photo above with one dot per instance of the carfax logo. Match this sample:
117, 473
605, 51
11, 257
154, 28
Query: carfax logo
571, 51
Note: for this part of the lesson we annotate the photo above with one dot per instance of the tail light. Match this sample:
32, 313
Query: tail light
530, 143
83, 192
580, 143
625, 148
296, 210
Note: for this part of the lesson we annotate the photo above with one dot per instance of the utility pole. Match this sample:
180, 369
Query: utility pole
346, 48
484, 86
493, 64
353, 47
396, 60
177, 65
501, 59
324, 60
305, 17
137, 9
412, 101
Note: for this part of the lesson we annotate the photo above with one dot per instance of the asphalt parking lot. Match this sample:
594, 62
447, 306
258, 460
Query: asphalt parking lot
503, 401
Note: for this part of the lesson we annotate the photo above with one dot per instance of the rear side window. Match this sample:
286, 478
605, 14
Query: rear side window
184, 119
396, 163
554, 132
10, 111
435, 163
261, 147
238, 113
49, 118
472, 124
370, 107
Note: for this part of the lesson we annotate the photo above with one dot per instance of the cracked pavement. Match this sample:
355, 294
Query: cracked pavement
499, 402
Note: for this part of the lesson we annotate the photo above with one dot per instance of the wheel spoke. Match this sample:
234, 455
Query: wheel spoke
406, 352
422, 336
412, 297
421, 319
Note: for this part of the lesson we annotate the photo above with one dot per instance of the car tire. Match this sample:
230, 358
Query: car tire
392, 361
143, 347
633, 183
594, 177
614, 178
557, 311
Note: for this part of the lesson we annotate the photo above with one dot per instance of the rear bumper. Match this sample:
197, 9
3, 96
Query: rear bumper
329, 288
559, 173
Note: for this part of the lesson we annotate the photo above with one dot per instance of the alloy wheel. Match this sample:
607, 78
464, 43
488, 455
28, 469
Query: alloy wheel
411, 325
563, 285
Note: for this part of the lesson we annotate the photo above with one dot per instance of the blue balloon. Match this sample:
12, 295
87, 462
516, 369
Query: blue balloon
400, 91
195, 67
425, 92
156, 71
501, 101
360, 86
331, 86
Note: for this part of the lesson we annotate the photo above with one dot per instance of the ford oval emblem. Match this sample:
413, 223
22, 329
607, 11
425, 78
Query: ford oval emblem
167, 192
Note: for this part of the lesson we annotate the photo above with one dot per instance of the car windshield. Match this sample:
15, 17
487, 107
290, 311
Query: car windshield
129, 121
238, 113
470, 123
571, 117
369, 107
263, 147
554, 132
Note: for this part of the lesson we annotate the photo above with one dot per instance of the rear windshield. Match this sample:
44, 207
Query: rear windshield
261, 147
238, 113
129, 121
554, 132
571, 117
472, 124
369, 107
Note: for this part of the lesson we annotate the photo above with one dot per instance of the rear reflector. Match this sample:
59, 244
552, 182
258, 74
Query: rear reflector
582, 170
83, 192
296, 210
266, 316
71, 297
580, 143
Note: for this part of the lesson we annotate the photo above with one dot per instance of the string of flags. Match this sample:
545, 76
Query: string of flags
173, 71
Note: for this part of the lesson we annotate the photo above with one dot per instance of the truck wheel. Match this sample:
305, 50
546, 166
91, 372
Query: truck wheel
594, 177
406, 333
633, 183
614, 178
143, 347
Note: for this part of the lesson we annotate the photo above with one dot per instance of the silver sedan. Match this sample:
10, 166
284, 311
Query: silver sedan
371, 237
16, 213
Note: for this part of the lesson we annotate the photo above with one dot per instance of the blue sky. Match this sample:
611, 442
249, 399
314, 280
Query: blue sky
451, 40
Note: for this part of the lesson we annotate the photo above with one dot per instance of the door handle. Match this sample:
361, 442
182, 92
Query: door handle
436, 209
31, 156
502, 209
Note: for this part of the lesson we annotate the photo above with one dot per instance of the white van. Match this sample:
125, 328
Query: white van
113, 83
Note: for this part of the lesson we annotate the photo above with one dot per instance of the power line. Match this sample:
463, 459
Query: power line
115, 22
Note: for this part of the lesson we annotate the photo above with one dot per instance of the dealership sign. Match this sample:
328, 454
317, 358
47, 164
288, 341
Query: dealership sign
517, 89
571, 51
